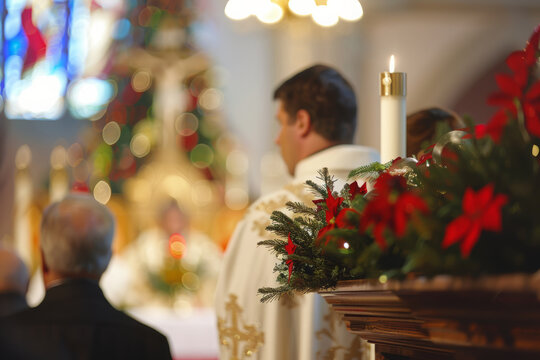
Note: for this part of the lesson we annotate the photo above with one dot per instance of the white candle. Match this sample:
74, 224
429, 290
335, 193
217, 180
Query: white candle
393, 113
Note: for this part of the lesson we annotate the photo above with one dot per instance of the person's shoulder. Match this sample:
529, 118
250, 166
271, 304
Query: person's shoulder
22, 317
128, 321
134, 329
354, 150
278, 199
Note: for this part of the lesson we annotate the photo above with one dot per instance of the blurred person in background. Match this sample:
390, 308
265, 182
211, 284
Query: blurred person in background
13, 283
74, 320
425, 127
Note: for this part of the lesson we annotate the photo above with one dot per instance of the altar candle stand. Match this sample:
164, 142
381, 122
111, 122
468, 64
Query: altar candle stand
393, 86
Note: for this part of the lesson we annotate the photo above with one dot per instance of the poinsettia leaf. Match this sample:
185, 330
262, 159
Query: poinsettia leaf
532, 47
470, 239
516, 60
500, 99
455, 231
508, 85
532, 121
534, 92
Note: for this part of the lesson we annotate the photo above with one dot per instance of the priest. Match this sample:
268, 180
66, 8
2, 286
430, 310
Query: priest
317, 118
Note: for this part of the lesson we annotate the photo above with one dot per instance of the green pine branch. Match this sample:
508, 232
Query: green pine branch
301, 208
369, 171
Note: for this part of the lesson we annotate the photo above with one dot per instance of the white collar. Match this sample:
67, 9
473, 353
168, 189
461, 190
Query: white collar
339, 160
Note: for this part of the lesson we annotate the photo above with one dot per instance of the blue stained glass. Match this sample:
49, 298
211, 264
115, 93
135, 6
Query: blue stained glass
48, 74
122, 29
41, 89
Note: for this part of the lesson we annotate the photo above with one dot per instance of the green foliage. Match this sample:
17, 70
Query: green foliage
478, 188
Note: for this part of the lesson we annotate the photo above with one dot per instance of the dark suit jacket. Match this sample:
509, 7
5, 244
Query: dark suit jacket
11, 303
76, 322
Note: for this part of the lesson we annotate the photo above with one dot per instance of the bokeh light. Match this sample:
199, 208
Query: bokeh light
202, 156
211, 99
177, 246
102, 192
81, 171
141, 80
269, 12
23, 157
191, 281
302, 7
111, 132
350, 10
535, 150
140, 145
90, 96
325, 16
186, 124
74, 154
238, 9
58, 157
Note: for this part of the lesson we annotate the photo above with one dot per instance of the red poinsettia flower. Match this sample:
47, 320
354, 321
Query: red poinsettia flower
332, 206
513, 87
355, 190
481, 211
494, 127
391, 208
291, 248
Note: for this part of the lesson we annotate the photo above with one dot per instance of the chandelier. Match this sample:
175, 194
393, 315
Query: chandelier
323, 12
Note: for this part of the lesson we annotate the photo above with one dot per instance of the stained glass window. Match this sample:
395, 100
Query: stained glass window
44, 49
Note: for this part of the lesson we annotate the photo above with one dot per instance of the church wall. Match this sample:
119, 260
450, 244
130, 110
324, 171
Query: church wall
443, 50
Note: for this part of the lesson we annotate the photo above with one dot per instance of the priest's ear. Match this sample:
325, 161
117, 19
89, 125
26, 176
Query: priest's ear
303, 123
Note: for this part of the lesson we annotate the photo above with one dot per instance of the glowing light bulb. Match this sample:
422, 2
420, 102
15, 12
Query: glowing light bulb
237, 9
302, 7
269, 12
325, 16
350, 10
392, 64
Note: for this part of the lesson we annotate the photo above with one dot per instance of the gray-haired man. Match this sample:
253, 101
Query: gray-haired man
75, 321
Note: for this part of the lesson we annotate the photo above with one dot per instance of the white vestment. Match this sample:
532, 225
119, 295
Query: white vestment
297, 328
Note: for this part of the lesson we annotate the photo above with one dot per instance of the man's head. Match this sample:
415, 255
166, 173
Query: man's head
317, 109
76, 237
13, 273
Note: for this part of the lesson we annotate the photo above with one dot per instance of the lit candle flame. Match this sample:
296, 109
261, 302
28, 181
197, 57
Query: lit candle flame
392, 65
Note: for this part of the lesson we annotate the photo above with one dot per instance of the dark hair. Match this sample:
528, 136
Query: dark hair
425, 126
328, 98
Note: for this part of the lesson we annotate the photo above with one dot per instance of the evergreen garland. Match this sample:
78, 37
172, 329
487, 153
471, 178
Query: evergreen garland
469, 206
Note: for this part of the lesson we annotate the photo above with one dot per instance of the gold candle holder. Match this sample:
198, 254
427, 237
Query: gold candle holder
393, 84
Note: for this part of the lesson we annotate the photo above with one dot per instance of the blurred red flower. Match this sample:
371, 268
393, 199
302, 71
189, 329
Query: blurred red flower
481, 211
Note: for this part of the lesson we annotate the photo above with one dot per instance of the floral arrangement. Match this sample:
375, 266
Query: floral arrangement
469, 206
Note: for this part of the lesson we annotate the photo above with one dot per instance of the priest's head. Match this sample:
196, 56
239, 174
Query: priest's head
76, 238
316, 110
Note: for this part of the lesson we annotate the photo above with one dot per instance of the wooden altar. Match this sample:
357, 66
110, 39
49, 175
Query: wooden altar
444, 317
